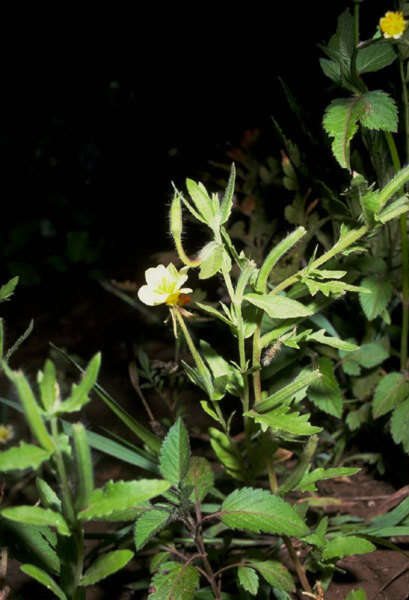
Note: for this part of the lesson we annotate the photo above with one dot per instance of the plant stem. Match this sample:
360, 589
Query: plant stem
297, 564
202, 549
404, 238
67, 503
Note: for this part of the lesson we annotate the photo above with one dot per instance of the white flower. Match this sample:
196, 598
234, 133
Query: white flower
164, 286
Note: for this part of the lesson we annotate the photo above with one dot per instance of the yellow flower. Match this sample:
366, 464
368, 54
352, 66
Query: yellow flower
164, 286
392, 25
6, 433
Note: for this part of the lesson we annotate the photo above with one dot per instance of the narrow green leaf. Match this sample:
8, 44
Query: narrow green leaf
279, 419
84, 466
106, 565
48, 386
148, 524
258, 511
122, 495
175, 454
34, 515
227, 201
22, 457
248, 579
274, 256
307, 483
303, 380
334, 342
31, 408
29, 542
43, 578
201, 200
227, 453
278, 307
393, 210
390, 391
48, 497
276, 574
79, 395
346, 546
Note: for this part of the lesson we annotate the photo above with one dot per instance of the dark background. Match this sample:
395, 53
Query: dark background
98, 122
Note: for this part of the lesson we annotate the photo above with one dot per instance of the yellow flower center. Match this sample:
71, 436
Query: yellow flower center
6, 433
177, 299
392, 24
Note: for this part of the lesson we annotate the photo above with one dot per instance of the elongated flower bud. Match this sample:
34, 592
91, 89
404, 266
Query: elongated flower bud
176, 228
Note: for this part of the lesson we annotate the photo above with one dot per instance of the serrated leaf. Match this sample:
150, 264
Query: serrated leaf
380, 112
44, 578
23, 456
363, 387
374, 57
276, 574
278, 307
35, 515
346, 546
200, 477
325, 393
7, 290
174, 581
106, 565
400, 425
375, 303
122, 495
149, 523
391, 390
29, 542
371, 355
175, 454
280, 420
258, 511
341, 123
308, 481
248, 579
79, 395
227, 453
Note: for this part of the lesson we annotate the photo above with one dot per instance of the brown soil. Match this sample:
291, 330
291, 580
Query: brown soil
89, 319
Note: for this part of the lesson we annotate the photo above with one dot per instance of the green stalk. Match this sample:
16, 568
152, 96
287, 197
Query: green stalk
197, 358
403, 233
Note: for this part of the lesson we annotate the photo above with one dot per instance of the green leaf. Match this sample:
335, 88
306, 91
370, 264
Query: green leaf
201, 200
22, 457
84, 466
325, 393
43, 578
248, 579
375, 303
331, 69
227, 453
280, 420
370, 355
122, 495
31, 408
48, 386
346, 546
48, 497
200, 477
258, 511
307, 483
278, 307
302, 381
276, 574
341, 123
7, 290
380, 112
106, 565
175, 454
391, 391
400, 425
334, 342
212, 261
149, 523
393, 210
174, 581
34, 515
79, 395
363, 387
29, 542
375, 57
233, 382
227, 202
213, 311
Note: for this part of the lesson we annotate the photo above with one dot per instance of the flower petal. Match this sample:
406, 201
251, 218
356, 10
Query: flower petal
155, 275
149, 297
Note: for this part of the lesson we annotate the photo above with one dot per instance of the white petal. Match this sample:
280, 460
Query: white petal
155, 275
149, 297
186, 291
